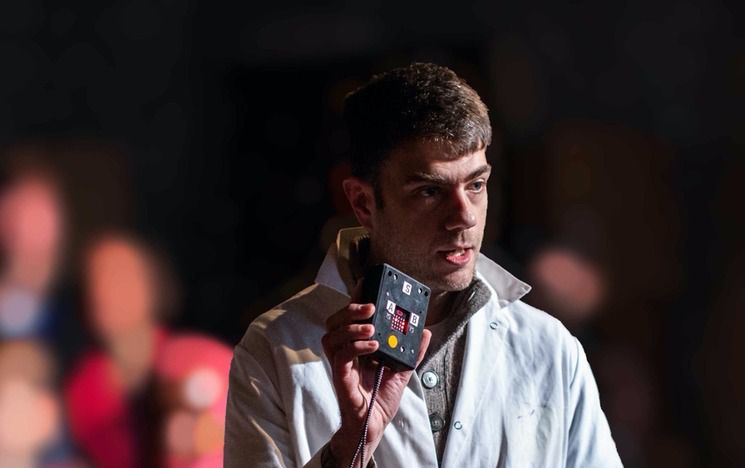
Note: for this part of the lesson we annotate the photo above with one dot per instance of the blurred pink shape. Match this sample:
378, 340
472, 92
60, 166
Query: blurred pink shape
198, 365
120, 287
184, 355
31, 218
574, 286
208, 461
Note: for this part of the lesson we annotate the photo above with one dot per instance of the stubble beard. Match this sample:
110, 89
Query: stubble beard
416, 264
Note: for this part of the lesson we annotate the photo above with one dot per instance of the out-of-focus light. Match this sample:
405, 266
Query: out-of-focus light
208, 434
180, 356
29, 409
573, 286
29, 417
180, 433
213, 460
20, 312
202, 388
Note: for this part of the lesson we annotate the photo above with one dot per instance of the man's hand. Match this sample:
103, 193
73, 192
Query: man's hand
353, 378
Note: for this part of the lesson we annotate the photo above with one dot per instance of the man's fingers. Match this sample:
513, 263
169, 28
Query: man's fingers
346, 334
351, 313
343, 363
354, 350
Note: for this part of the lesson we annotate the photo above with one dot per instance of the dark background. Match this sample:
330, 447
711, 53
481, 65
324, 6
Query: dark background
213, 129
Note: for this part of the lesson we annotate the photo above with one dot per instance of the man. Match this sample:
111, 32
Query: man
498, 383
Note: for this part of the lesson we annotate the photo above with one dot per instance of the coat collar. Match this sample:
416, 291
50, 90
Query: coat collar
341, 269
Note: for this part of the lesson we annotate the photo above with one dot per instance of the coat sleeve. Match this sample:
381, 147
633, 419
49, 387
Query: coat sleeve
256, 427
590, 442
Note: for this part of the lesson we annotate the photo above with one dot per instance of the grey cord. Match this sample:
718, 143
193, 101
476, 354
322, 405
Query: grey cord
363, 437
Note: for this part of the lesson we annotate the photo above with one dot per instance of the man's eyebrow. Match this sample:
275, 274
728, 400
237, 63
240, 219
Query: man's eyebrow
417, 177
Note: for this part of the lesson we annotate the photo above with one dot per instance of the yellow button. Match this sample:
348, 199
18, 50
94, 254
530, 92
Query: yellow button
392, 341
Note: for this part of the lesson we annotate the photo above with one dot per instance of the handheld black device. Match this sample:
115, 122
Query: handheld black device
400, 314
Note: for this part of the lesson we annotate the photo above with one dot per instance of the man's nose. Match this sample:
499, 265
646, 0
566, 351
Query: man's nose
461, 213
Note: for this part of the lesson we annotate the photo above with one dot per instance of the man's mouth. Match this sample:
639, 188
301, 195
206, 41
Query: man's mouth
458, 256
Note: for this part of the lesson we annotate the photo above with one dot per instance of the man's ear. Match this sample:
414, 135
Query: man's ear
361, 197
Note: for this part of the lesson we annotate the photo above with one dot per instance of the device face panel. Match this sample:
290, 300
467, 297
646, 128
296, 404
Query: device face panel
400, 314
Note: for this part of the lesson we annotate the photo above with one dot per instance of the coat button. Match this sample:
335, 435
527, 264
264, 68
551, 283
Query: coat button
458, 425
430, 379
436, 422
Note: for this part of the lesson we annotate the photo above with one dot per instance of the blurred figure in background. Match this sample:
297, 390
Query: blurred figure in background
572, 284
46, 210
33, 216
121, 396
31, 417
110, 395
39, 332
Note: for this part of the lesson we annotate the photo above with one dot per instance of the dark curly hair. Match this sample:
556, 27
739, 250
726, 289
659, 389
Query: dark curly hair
418, 101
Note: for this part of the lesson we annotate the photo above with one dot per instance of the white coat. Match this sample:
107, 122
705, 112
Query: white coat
527, 396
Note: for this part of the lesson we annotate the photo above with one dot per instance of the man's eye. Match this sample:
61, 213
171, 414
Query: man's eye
429, 191
478, 186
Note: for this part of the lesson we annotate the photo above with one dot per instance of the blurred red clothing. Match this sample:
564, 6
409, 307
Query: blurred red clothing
189, 376
100, 413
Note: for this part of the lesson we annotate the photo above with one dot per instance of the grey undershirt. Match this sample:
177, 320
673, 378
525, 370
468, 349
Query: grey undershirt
444, 357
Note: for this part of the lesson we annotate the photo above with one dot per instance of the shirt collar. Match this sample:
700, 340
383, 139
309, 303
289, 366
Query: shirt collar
341, 269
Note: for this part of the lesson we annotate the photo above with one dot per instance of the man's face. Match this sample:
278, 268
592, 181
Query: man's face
432, 218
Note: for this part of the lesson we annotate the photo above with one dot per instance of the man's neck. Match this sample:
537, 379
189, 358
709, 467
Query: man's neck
440, 303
